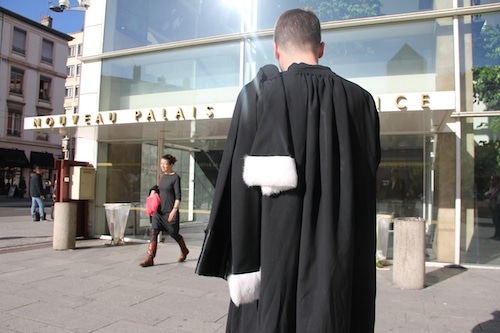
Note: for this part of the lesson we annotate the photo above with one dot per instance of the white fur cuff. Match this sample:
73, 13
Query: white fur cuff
274, 174
244, 288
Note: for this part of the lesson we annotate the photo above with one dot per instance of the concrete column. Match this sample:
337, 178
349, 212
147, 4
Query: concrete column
64, 237
409, 253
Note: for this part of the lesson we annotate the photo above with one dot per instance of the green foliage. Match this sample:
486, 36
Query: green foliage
491, 42
487, 90
487, 163
486, 74
335, 10
487, 86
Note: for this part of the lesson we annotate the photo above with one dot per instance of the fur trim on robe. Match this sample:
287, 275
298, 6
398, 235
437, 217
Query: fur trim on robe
274, 174
244, 288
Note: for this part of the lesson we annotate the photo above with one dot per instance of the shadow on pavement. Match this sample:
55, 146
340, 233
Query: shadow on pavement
102, 246
21, 237
442, 274
492, 325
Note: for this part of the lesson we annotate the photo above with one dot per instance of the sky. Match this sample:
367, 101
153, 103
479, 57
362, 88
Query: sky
69, 21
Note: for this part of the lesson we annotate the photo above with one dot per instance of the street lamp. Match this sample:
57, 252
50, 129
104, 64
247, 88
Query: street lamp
64, 5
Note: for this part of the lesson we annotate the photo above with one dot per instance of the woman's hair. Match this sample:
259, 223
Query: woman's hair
170, 158
298, 29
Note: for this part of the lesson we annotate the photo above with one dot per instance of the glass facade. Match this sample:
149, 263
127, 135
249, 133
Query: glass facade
338, 10
399, 57
480, 158
182, 76
131, 23
433, 77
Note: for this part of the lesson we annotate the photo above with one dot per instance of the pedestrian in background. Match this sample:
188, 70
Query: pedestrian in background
22, 187
37, 194
166, 218
493, 196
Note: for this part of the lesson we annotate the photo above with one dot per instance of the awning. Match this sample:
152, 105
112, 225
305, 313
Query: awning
44, 160
13, 158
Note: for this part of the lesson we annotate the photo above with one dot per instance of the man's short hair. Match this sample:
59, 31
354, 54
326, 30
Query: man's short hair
298, 29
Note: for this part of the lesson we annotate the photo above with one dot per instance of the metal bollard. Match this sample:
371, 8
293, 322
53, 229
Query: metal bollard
409, 253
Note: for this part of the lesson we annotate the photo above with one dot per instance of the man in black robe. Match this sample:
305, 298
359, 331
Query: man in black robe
292, 226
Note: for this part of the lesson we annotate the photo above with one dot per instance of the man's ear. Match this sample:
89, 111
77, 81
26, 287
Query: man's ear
276, 51
321, 49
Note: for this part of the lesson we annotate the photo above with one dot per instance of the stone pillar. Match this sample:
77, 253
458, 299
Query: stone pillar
64, 237
409, 253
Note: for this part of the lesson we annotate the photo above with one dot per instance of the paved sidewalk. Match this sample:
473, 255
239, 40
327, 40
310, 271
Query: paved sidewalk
6, 202
101, 288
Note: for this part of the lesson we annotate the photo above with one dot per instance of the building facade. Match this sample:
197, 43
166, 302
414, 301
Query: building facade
163, 77
32, 75
72, 89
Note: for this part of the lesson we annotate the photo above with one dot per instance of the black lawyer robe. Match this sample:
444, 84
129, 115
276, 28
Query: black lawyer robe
308, 246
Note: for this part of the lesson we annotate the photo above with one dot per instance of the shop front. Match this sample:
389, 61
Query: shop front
12, 164
161, 92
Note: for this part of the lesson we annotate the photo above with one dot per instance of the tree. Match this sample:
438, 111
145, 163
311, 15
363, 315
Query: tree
486, 74
336, 10
342, 10
486, 71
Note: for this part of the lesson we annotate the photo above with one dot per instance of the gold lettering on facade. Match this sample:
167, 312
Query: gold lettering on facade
401, 102
210, 112
180, 114
151, 116
426, 101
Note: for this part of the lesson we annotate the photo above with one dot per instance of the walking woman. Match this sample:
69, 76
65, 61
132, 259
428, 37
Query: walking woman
166, 218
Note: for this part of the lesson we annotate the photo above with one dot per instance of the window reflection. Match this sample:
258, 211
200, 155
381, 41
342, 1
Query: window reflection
402, 175
19, 41
132, 23
146, 80
479, 244
258, 53
384, 59
399, 57
342, 10
486, 61
44, 88
16, 80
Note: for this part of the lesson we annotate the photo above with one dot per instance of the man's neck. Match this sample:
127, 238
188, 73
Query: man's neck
286, 60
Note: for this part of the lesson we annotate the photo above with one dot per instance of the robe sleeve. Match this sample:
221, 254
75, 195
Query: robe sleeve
271, 164
231, 248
